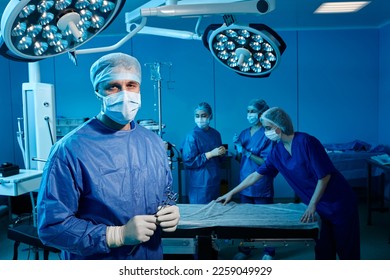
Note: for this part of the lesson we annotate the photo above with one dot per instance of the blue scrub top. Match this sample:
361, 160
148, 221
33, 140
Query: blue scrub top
259, 145
308, 163
97, 177
202, 175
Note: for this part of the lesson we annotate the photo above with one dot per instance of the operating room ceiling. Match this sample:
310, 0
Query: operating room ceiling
288, 15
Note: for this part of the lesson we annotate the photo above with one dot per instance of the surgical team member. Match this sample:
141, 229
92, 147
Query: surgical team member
105, 182
306, 166
253, 148
202, 151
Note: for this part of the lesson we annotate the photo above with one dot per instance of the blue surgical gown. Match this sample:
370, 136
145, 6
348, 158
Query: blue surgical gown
259, 145
97, 177
337, 208
202, 175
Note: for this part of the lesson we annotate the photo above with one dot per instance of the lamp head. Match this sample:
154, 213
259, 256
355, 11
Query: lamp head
37, 29
252, 51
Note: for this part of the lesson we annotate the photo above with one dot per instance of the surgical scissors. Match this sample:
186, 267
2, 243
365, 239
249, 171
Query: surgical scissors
170, 199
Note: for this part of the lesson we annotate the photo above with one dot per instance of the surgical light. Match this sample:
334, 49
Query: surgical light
252, 51
35, 29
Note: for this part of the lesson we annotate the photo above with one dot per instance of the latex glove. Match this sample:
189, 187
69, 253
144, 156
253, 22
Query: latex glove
216, 152
225, 198
137, 230
222, 150
168, 217
310, 214
239, 148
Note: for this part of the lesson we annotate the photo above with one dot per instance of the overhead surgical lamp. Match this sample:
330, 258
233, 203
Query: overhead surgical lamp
37, 29
252, 51
32, 30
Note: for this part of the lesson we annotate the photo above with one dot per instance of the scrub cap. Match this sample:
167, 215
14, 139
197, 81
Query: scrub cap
115, 66
277, 117
260, 105
204, 107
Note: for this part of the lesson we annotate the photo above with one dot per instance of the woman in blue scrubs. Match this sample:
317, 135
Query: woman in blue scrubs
304, 163
253, 148
202, 151
105, 183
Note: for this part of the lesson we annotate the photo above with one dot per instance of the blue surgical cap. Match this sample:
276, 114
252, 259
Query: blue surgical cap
115, 66
260, 105
204, 107
278, 117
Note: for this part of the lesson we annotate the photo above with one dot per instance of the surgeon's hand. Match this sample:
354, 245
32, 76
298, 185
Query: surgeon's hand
219, 151
310, 214
168, 217
225, 198
139, 229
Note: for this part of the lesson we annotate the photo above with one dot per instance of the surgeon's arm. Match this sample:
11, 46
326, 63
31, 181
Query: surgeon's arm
248, 181
309, 214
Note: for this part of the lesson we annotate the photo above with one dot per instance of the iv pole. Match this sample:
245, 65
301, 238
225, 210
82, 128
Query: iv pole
155, 69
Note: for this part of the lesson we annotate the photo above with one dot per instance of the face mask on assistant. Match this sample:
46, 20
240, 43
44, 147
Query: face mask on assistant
202, 122
253, 118
121, 107
272, 135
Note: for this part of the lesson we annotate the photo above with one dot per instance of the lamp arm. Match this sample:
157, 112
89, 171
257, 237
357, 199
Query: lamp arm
247, 7
172, 10
179, 34
117, 45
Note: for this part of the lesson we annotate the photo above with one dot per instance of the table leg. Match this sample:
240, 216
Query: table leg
205, 250
179, 178
369, 186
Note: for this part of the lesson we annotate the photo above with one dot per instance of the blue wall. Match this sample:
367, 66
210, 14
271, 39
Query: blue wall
384, 86
13, 74
332, 82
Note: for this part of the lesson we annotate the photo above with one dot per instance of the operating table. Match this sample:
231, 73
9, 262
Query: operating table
259, 223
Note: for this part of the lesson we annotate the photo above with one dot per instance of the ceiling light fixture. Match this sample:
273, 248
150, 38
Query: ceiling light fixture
252, 51
37, 29
341, 7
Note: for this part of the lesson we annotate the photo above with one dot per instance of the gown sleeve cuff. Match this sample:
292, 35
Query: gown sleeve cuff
114, 236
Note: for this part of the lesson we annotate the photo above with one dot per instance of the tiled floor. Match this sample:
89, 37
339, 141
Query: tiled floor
374, 242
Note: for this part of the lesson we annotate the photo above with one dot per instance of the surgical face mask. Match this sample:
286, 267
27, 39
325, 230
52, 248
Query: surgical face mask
121, 107
253, 118
272, 135
202, 122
